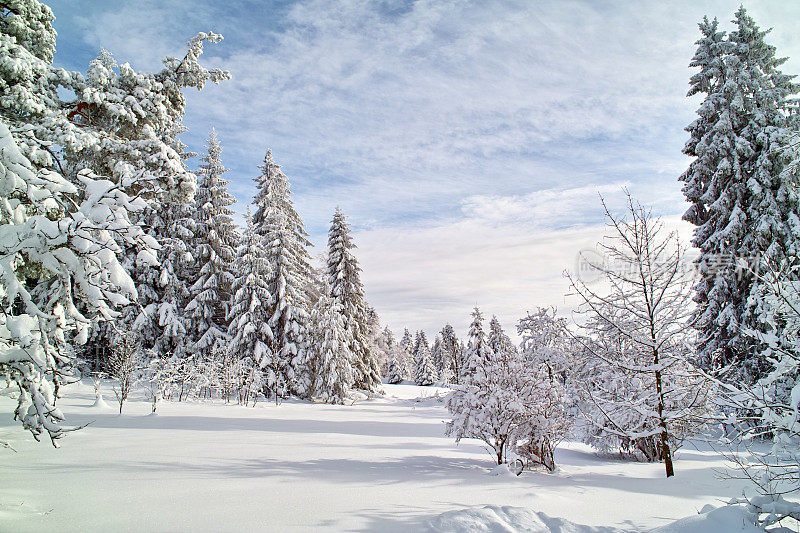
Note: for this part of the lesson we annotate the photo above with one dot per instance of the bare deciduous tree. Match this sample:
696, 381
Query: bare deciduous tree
642, 294
124, 363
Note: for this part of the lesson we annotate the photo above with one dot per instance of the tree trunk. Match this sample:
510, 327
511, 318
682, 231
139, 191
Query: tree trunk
500, 447
665, 451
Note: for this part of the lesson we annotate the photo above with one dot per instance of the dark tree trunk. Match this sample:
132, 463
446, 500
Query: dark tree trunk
666, 453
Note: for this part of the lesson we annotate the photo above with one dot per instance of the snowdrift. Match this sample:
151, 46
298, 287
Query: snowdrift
492, 518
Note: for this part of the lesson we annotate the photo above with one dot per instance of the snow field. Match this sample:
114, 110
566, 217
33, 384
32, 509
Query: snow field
382, 464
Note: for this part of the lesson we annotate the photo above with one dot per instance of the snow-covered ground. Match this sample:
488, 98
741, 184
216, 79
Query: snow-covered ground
380, 465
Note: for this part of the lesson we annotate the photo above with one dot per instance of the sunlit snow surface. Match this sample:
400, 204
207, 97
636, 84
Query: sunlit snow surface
380, 465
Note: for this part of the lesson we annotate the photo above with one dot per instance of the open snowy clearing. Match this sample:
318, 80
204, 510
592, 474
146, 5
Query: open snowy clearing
380, 465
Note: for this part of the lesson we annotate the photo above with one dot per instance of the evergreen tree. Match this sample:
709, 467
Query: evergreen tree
61, 270
405, 356
390, 347
168, 297
333, 373
139, 118
345, 281
498, 342
121, 125
377, 344
477, 352
439, 362
395, 371
420, 340
452, 353
215, 241
744, 203
249, 315
425, 370
286, 243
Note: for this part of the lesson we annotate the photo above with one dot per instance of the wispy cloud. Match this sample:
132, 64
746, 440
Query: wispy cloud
504, 255
441, 124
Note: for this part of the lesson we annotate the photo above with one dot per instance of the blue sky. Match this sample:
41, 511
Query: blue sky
466, 141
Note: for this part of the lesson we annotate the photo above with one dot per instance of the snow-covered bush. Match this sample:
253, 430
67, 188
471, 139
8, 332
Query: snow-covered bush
159, 378
511, 404
544, 421
252, 381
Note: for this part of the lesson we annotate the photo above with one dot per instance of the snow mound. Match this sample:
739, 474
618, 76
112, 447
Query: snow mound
503, 471
725, 519
100, 403
497, 519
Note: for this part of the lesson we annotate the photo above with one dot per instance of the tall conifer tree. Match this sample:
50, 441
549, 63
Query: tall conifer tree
286, 243
743, 203
215, 240
344, 278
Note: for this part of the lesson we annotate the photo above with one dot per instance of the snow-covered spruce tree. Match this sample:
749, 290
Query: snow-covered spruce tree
251, 337
390, 346
395, 364
344, 278
440, 361
213, 252
499, 343
709, 58
139, 117
647, 310
395, 371
60, 271
743, 206
286, 243
164, 291
405, 357
477, 353
425, 370
377, 342
452, 354
768, 409
331, 343
420, 339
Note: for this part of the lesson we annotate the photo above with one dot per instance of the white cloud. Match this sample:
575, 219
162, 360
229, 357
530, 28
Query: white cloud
424, 277
466, 140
